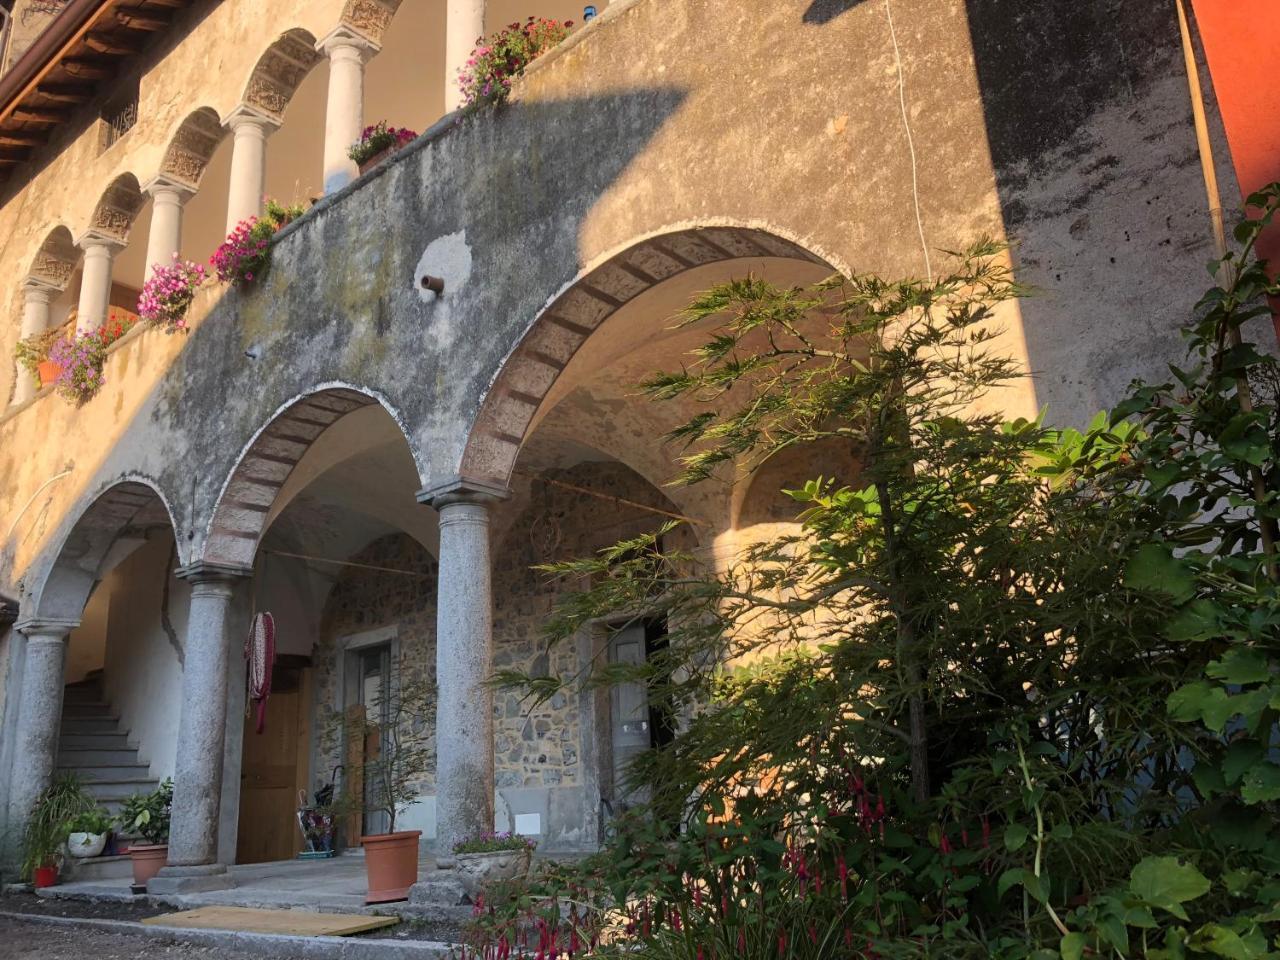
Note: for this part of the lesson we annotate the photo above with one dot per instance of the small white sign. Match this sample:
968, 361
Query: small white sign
529, 824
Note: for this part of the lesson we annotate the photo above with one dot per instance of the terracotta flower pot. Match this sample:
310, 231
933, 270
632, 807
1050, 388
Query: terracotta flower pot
147, 860
377, 158
48, 372
391, 860
44, 876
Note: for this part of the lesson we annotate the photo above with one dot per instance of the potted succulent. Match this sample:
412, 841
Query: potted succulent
398, 753
378, 142
46, 828
493, 858
88, 833
146, 815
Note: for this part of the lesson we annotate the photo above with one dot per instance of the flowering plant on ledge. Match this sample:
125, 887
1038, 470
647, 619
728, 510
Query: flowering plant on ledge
245, 254
80, 360
379, 139
494, 843
167, 295
32, 351
498, 60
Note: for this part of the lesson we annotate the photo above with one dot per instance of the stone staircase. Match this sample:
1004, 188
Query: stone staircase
92, 745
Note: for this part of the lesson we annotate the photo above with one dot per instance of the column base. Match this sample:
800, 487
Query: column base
198, 878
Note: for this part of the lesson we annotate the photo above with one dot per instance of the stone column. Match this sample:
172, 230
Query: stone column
168, 196
197, 781
344, 115
249, 128
464, 651
464, 24
95, 279
36, 297
35, 746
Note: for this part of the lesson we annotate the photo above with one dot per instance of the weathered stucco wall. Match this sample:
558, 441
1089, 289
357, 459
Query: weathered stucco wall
664, 115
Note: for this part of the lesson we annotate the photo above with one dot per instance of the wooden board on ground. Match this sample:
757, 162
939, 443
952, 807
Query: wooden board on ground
299, 923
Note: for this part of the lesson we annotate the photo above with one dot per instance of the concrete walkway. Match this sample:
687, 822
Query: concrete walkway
333, 886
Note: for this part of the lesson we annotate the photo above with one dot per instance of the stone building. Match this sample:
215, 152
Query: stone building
379, 464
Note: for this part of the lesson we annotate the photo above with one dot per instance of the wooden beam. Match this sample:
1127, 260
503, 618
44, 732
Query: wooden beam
65, 92
88, 69
10, 139
135, 18
9, 161
40, 115
115, 46
169, 4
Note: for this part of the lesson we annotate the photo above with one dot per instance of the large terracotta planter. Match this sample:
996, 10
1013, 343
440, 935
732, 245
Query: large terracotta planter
481, 870
147, 860
48, 372
377, 158
391, 861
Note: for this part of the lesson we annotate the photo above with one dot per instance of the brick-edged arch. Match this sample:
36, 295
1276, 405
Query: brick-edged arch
555, 336
56, 260
192, 147
370, 18
117, 208
128, 508
280, 71
239, 520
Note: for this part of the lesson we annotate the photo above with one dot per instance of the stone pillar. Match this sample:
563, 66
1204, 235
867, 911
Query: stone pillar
35, 746
165, 241
36, 297
95, 279
197, 781
249, 128
464, 651
464, 25
344, 115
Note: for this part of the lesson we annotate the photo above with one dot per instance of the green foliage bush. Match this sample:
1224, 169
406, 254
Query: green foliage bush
1010, 692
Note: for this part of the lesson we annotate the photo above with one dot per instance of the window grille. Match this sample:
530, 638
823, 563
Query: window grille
118, 119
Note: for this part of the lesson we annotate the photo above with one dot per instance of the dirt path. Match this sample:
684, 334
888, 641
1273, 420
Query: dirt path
20, 940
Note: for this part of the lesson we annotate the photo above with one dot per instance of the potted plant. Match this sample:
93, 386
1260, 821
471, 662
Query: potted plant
80, 361
378, 142
146, 815
88, 833
47, 827
397, 752
493, 858
168, 293
33, 354
246, 253
489, 71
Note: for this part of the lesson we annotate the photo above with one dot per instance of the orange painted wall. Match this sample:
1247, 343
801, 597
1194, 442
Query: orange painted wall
1243, 48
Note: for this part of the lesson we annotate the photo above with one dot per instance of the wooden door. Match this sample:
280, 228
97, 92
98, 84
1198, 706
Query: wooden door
273, 770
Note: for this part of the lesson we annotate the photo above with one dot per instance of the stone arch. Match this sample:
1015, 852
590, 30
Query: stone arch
115, 523
370, 18
55, 261
244, 505
192, 147
280, 71
117, 208
550, 342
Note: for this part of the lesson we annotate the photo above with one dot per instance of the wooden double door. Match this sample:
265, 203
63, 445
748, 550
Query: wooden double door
274, 768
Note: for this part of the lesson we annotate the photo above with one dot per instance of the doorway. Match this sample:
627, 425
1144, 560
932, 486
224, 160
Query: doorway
274, 767
637, 721
369, 701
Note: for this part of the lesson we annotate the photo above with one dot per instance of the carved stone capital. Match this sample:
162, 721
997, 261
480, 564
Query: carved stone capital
344, 37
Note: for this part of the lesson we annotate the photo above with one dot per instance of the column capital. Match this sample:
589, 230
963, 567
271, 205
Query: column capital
163, 183
96, 238
33, 288
210, 571
45, 626
463, 490
343, 38
248, 117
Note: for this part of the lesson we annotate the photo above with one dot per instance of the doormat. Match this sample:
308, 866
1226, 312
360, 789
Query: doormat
298, 923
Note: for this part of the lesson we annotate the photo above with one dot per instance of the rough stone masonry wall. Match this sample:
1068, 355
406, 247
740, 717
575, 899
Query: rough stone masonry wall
536, 747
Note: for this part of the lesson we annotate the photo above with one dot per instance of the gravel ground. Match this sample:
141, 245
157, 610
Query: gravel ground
96, 910
32, 941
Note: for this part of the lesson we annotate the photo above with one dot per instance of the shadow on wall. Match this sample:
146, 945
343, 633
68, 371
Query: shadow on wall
822, 12
1089, 125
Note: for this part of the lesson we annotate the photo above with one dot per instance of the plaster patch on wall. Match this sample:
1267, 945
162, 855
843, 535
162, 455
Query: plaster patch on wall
449, 258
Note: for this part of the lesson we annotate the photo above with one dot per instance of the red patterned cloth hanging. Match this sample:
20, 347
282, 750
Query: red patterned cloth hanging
260, 652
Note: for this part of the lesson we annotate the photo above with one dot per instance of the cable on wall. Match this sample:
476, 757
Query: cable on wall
911, 145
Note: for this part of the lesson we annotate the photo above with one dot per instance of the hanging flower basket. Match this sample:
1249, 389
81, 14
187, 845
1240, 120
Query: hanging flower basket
377, 143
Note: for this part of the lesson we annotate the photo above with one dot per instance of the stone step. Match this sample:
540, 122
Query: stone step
98, 868
103, 724
120, 789
93, 708
97, 741
108, 771
69, 756
82, 693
